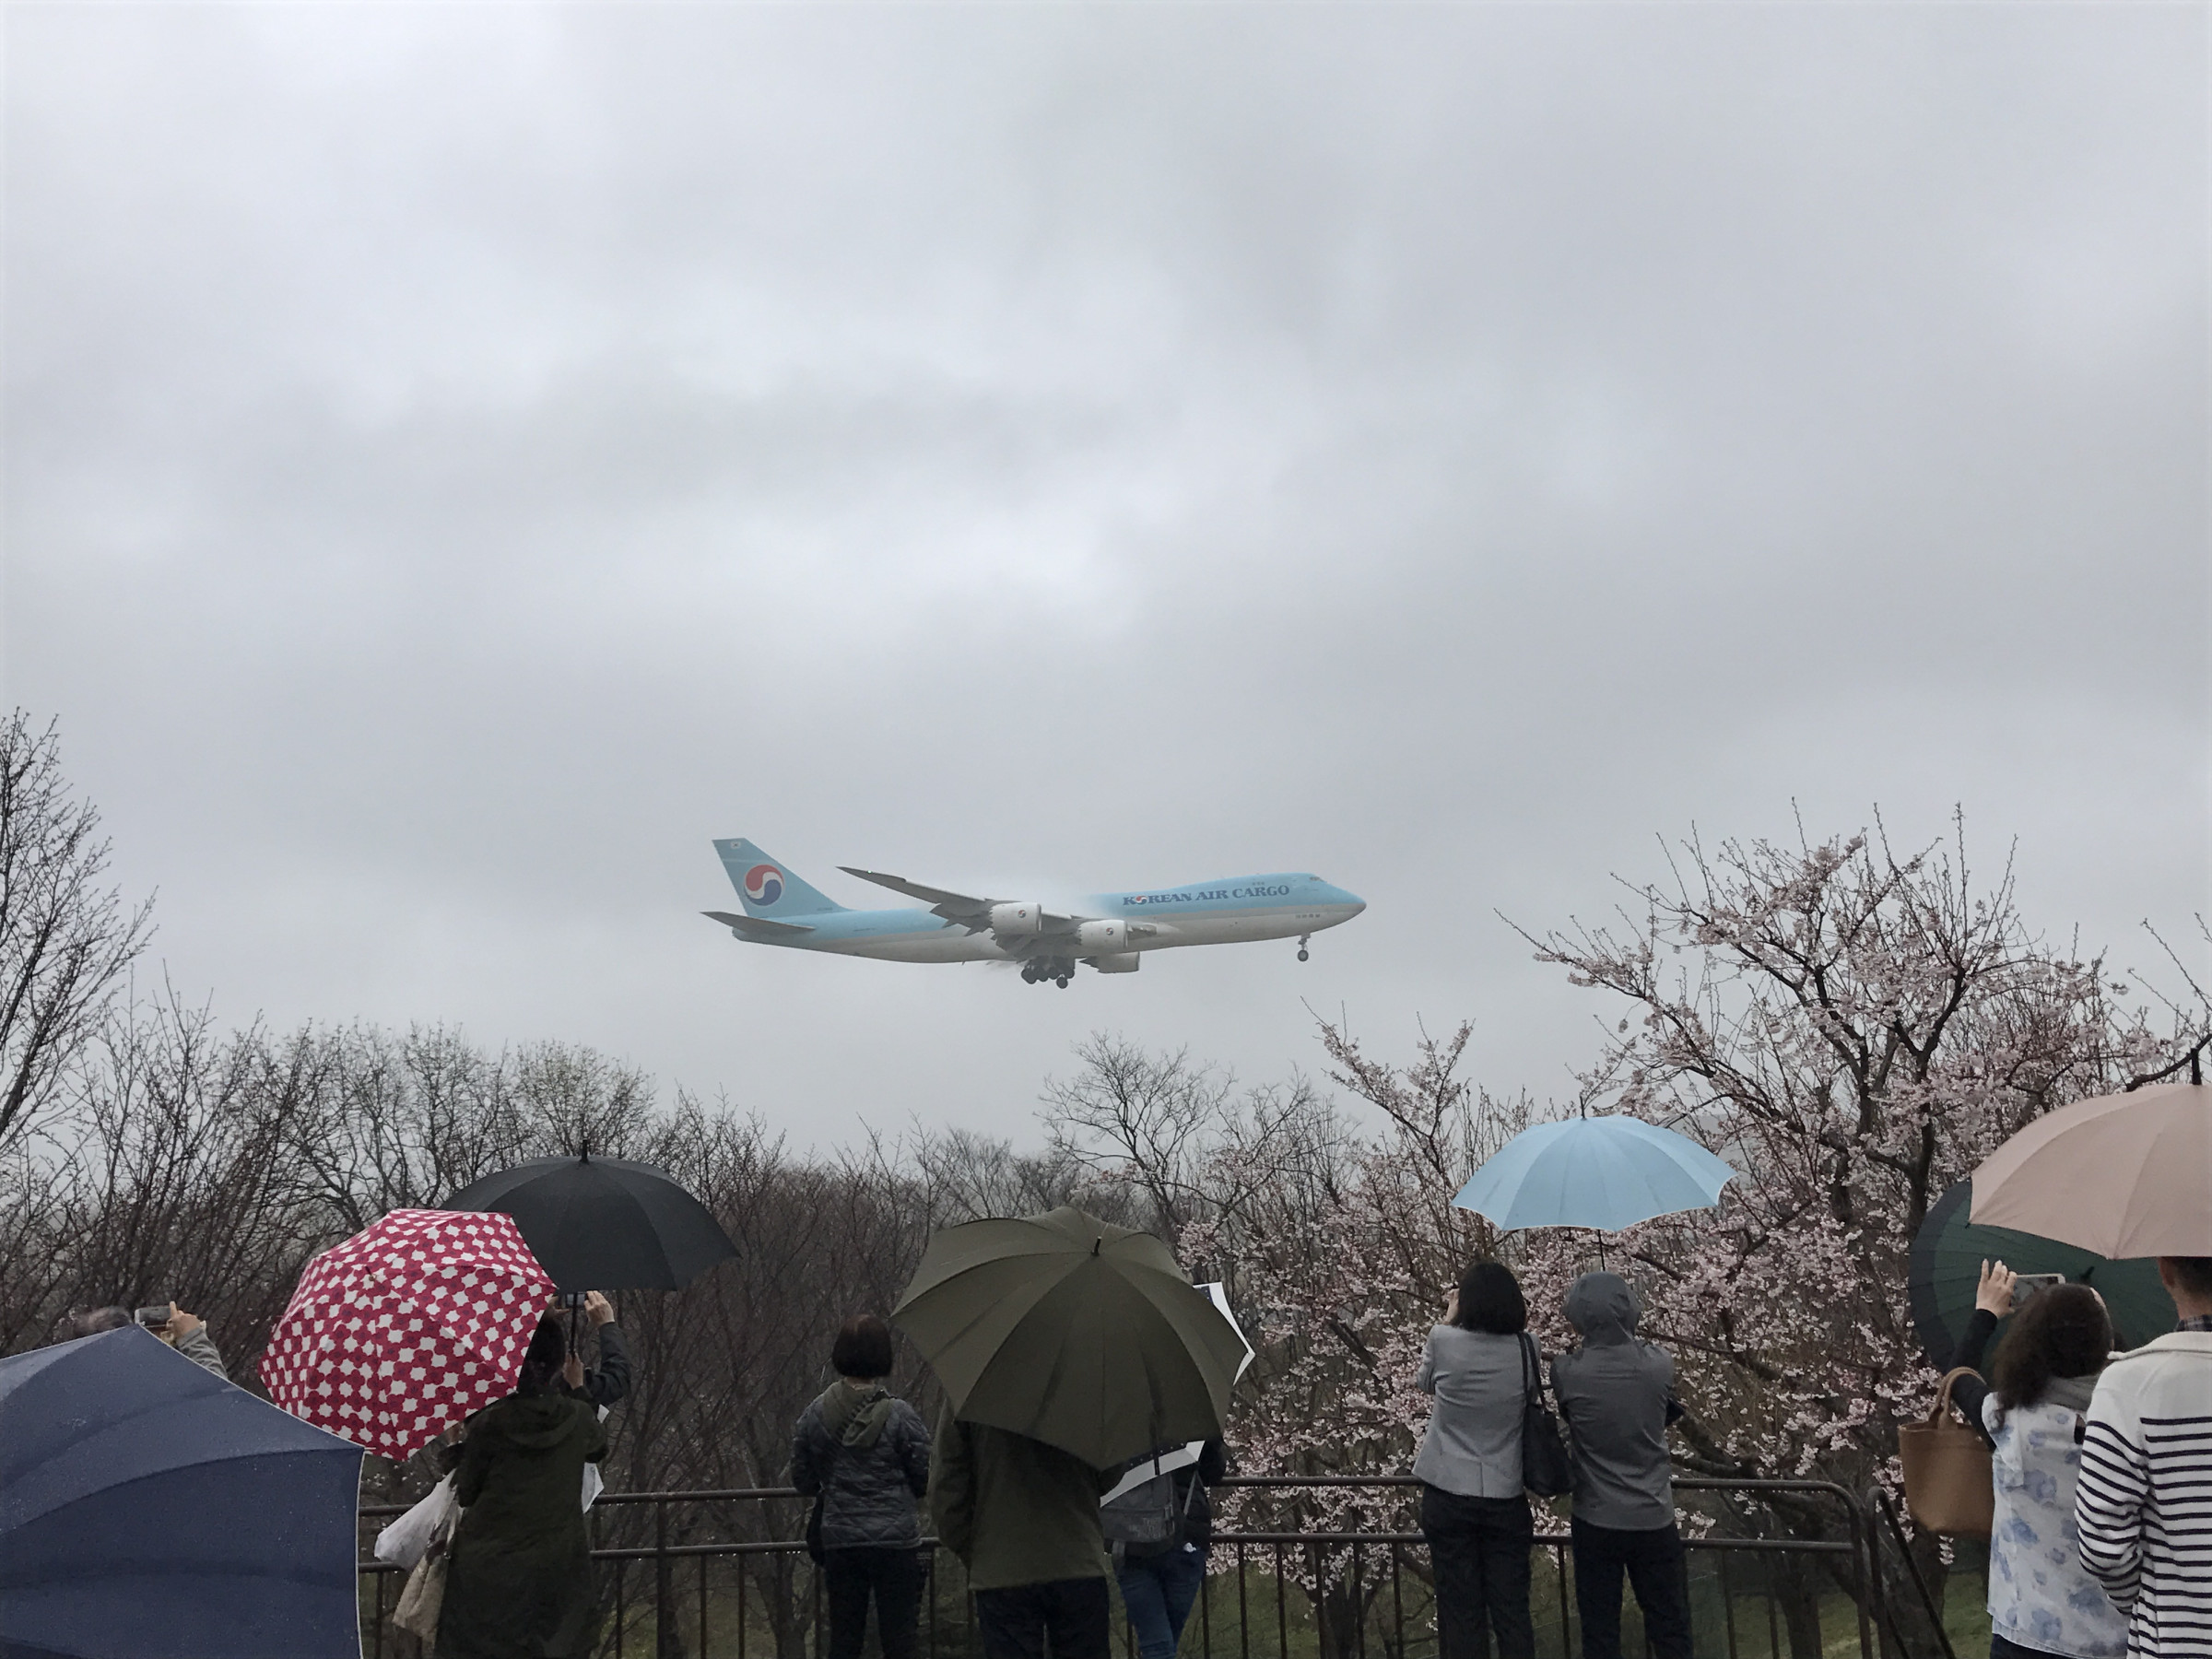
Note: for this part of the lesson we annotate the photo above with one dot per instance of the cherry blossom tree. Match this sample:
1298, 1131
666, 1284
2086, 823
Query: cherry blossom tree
1854, 1030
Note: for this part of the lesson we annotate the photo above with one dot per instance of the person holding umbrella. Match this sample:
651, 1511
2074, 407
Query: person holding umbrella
1023, 1518
518, 1577
1066, 1346
1617, 1395
2125, 1175
2139, 1507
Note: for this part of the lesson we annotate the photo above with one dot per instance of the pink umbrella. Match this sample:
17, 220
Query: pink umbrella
2123, 1175
406, 1328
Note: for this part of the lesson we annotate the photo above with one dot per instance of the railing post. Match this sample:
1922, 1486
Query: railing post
667, 1642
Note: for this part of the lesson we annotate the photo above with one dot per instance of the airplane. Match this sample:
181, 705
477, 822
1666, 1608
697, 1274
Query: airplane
1111, 932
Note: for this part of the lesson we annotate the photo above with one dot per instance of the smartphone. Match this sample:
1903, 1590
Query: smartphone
155, 1318
2031, 1284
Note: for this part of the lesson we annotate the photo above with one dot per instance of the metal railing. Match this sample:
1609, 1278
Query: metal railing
1768, 1555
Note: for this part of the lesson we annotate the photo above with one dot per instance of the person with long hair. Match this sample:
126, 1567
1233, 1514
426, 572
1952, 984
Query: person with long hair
518, 1578
865, 1453
2042, 1600
1478, 1364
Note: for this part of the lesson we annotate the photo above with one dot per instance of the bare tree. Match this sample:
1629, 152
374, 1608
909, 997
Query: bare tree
1140, 1120
65, 942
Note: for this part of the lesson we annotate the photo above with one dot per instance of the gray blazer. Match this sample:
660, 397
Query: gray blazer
1472, 1443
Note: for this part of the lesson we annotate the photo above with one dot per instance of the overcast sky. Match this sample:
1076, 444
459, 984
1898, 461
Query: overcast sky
460, 460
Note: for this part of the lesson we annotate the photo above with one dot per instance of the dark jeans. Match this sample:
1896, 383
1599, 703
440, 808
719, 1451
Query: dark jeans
1016, 1621
1479, 1547
1158, 1591
894, 1576
1658, 1569
2003, 1647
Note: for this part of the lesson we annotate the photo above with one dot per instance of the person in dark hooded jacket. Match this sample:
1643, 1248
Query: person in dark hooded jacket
867, 1453
518, 1579
1616, 1395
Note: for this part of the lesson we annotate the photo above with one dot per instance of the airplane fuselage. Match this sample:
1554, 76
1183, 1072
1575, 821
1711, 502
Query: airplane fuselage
1213, 913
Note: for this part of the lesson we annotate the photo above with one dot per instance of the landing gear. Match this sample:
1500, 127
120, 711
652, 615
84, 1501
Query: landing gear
1062, 981
1059, 973
1301, 946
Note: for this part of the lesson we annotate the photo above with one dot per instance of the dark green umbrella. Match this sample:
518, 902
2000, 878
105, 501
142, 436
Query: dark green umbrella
1072, 1331
1945, 1269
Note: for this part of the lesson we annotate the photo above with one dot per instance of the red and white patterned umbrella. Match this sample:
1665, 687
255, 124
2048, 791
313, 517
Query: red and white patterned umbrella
407, 1327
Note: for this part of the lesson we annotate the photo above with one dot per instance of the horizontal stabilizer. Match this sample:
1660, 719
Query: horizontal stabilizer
757, 927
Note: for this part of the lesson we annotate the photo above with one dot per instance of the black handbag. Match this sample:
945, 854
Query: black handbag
817, 1552
1546, 1469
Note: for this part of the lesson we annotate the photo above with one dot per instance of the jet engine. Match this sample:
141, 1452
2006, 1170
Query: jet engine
1017, 921
1128, 961
1096, 937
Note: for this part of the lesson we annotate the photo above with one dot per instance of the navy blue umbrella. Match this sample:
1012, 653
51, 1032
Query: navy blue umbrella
149, 1509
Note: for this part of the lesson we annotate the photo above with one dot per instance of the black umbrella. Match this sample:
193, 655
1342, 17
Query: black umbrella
1946, 1267
155, 1512
602, 1223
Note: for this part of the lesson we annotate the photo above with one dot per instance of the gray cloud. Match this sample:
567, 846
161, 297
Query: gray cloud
460, 460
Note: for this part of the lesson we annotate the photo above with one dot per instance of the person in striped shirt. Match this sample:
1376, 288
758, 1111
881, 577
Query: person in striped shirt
2144, 1504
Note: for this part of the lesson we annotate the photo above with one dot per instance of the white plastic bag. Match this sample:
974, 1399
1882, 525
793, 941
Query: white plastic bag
593, 1485
403, 1541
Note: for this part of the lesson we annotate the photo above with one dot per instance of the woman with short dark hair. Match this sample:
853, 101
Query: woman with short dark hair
518, 1579
2042, 1600
865, 1453
1473, 1510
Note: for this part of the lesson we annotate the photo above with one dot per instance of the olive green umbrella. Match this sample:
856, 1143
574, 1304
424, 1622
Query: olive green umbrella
1946, 1271
1072, 1331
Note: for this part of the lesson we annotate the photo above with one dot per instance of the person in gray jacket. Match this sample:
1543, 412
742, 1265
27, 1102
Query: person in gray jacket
866, 1453
187, 1332
1616, 1395
1481, 1367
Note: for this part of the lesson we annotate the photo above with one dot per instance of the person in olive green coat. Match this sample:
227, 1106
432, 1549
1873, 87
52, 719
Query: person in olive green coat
518, 1581
1023, 1517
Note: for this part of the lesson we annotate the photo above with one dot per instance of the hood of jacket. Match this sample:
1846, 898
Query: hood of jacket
1602, 1307
536, 1422
855, 1417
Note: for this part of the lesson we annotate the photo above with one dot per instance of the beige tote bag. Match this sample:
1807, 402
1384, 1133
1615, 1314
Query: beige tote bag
1947, 1481
424, 1597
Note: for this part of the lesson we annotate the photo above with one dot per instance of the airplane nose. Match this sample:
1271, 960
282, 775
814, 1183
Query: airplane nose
1352, 902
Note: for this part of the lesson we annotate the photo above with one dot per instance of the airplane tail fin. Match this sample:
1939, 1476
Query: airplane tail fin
766, 887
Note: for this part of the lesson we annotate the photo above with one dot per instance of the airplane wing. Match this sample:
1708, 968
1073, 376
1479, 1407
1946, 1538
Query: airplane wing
757, 927
970, 913
953, 907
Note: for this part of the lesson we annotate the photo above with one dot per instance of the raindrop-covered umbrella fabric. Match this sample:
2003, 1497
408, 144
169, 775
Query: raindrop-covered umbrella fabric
2123, 1175
1074, 1332
1601, 1172
604, 1223
149, 1509
406, 1328
1945, 1274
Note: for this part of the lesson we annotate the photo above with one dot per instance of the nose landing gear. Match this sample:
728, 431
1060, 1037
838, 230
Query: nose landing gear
1301, 946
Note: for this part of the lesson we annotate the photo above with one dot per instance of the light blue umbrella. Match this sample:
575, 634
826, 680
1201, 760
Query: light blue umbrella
1605, 1172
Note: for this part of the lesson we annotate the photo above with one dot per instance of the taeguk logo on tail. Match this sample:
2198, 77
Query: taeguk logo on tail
764, 884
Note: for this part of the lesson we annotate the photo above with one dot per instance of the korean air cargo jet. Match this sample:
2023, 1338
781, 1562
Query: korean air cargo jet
1111, 932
